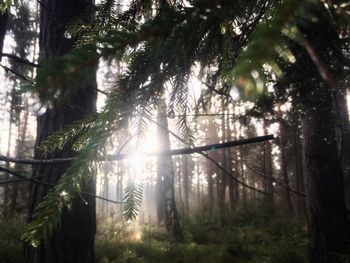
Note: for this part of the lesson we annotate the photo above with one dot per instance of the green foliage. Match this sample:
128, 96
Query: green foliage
47, 216
252, 234
10, 240
249, 235
262, 47
160, 50
132, 198
72, 133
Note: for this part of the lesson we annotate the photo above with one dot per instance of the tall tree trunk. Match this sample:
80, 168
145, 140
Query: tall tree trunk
344, 123
298, 166
3, 27
210, 166
230, 156
165, 176
73, 241
328, 222
22, 130
222, 175
328, 216
283, 144
268, 172
244, 189
185, 180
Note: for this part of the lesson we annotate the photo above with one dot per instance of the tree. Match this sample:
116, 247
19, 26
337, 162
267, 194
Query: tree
3, 28
74, 240
165, 50
167, 210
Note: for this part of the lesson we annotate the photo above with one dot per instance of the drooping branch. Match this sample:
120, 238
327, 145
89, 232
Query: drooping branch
250, 167
116, 157
218, 146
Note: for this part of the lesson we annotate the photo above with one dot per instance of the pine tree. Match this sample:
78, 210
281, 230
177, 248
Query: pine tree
165, 50
74, 240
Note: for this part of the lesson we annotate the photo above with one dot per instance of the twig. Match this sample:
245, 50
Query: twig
18, 180
271, 178
201, 149
20, 60
32, 179
16, 73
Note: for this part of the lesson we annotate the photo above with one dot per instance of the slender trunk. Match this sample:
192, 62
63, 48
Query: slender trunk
7, 176
222, 177
120, 186
165, 175
229, 153
210, 169
298, 167
287, 195
185, 178
22, 130
244, 190
73, 241
268, 167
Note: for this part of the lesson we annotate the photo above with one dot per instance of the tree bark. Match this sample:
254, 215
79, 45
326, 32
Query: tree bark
20, 148
73, 241
328, 218
268, 172
283, 144
3, 27
165, 182
344, 140
185, 181
298, 167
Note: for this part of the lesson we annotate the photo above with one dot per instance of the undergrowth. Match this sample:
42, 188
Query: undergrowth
251, 235
10, 240
254, 234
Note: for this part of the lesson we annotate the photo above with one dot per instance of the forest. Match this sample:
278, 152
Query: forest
174, 131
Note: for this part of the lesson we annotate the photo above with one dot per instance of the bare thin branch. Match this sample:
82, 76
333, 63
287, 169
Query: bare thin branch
116, 157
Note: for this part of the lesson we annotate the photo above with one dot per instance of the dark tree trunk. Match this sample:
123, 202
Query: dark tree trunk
3, 27
73, 241
328, 218
344, 147
283, 145
185, 177
299, 167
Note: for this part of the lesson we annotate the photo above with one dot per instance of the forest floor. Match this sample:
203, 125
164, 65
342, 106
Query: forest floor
252, 235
